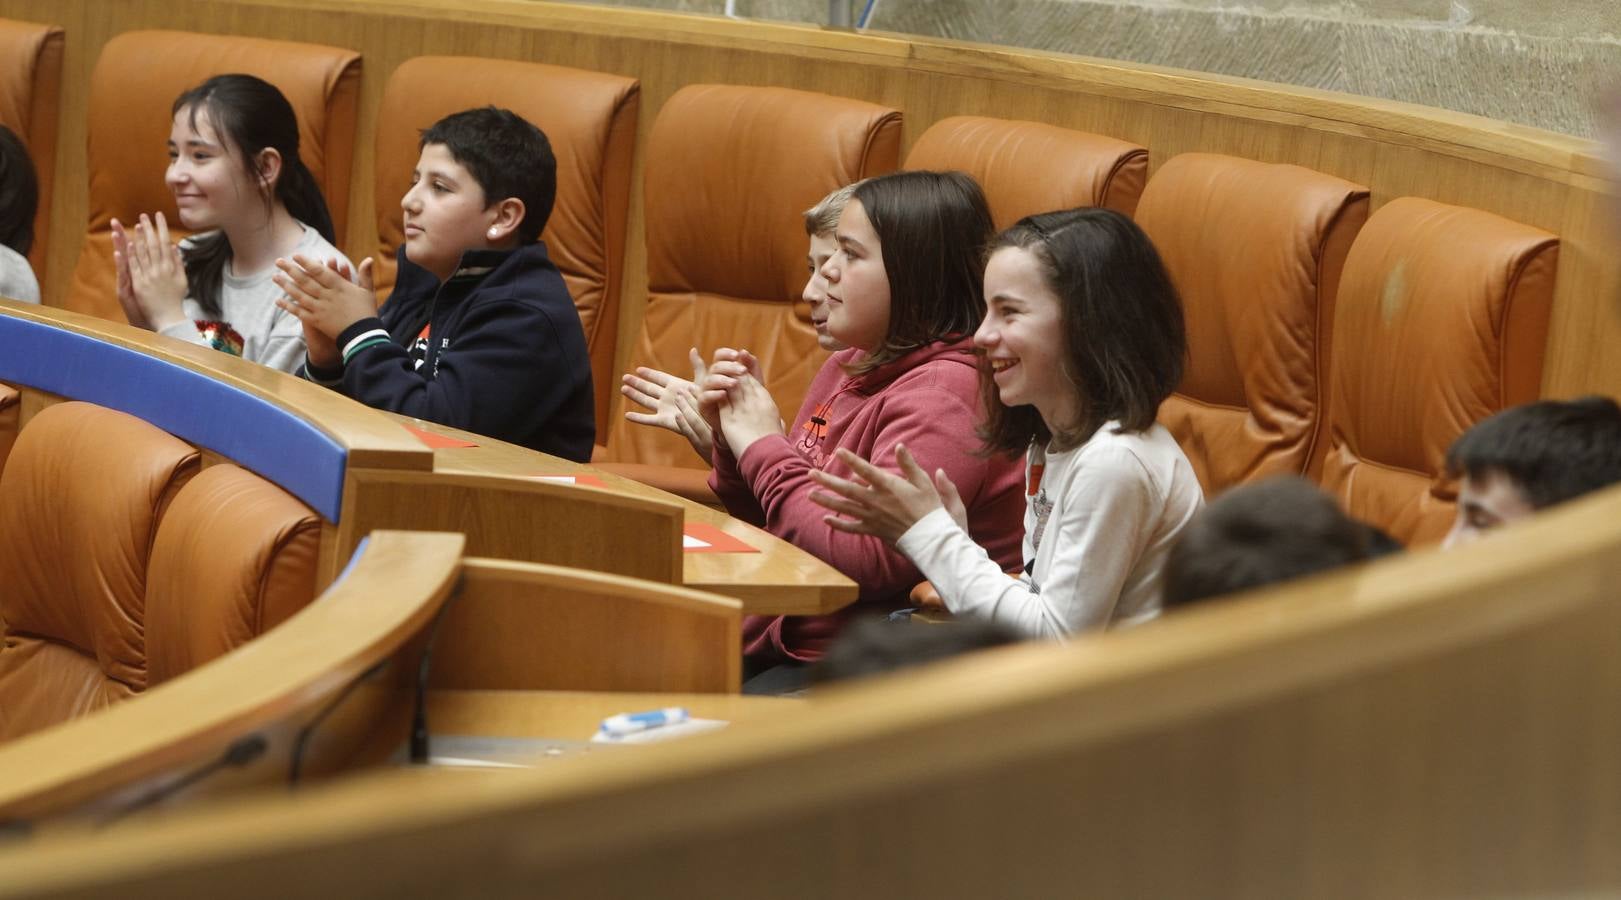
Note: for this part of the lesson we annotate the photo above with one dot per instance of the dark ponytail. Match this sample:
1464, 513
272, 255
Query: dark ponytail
251, 115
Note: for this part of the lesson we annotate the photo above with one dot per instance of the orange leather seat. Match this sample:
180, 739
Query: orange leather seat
590, 119
234, 557
10, 410
134, 84
1256, 250
1442, 321
80, 500
729, 170
30, 95
1030, 167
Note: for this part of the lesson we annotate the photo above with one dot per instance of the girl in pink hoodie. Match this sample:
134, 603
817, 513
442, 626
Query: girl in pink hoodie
905, 292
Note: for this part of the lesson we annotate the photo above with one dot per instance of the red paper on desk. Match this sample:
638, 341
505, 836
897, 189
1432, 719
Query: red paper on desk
698, 537
438, 441
579, 480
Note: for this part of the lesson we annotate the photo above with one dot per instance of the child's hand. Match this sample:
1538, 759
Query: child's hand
748, 414
322, 299
884, 504
157, 273
126, 287
673, 403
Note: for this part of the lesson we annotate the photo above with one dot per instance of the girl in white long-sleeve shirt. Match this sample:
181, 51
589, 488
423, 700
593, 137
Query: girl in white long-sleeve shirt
1082, 339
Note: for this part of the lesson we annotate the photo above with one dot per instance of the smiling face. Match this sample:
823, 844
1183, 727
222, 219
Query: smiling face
857, 285
822, 246
445, 213
1022, 337
211, 187
1485, 503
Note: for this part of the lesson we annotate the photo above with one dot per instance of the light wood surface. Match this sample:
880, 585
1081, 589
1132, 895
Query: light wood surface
1547, 180
1425, 726
271, 686
575, 715
780, 579
519, 626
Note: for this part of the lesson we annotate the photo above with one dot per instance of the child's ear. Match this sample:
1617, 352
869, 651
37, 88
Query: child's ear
508, 216
269, 166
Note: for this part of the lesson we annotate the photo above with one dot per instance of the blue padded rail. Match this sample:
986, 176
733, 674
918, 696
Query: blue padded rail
250, 431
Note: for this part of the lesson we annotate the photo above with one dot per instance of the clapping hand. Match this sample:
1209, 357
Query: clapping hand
151, 274
673, 403
881, 503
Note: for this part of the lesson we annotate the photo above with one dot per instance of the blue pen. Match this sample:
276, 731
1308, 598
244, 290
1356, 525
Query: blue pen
630, 723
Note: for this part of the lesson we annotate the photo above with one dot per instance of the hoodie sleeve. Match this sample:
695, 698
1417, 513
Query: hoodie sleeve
931, 421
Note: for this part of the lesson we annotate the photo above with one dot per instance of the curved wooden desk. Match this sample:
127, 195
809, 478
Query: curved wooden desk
384, 473
265, 691
780, 579
1425, 726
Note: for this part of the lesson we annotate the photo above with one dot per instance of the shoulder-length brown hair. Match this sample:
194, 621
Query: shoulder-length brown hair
932, 228
1125, 344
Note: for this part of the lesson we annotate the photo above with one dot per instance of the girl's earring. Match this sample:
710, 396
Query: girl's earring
491, 233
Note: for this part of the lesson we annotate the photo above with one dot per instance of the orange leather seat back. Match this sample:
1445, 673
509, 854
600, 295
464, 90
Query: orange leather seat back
1030, 167
234, 557
10, 414
1442, 321
1256, 251
30, 97
590, 119
134, 84
729, 171
80, 501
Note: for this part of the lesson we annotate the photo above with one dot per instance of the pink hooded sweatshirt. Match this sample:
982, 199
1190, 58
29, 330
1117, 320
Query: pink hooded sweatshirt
927, 400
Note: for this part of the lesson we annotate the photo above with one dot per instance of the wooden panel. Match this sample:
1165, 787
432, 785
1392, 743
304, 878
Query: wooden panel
780, 579
575, 715
526, 627
271, 686
1543, 179
530, 521
1409, 728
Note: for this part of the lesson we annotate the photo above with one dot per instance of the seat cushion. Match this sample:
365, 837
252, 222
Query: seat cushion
1031, 167
30, 95
235, 556
1256, 251
80, 500
729, 170
1442, 321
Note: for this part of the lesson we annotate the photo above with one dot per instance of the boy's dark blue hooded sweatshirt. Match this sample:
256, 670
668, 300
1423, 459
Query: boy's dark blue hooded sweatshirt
496, 350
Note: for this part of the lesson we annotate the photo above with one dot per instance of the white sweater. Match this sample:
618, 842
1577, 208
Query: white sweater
270, 336
1098, 523
17, 280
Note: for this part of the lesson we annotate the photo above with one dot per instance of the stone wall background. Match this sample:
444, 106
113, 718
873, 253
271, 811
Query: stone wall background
1544, 64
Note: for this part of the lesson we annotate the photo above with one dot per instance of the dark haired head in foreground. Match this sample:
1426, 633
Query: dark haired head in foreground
1531, 457
1264, 533
875, 645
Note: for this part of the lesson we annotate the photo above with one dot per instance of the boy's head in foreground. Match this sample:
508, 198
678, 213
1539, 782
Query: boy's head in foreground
1263, 533
874, 645
1531, 457
485, 180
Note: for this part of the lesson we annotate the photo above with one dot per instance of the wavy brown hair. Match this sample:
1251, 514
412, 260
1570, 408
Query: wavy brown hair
1124, 340
931, 229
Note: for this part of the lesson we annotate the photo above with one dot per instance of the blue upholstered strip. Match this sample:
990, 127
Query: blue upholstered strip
254, 433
